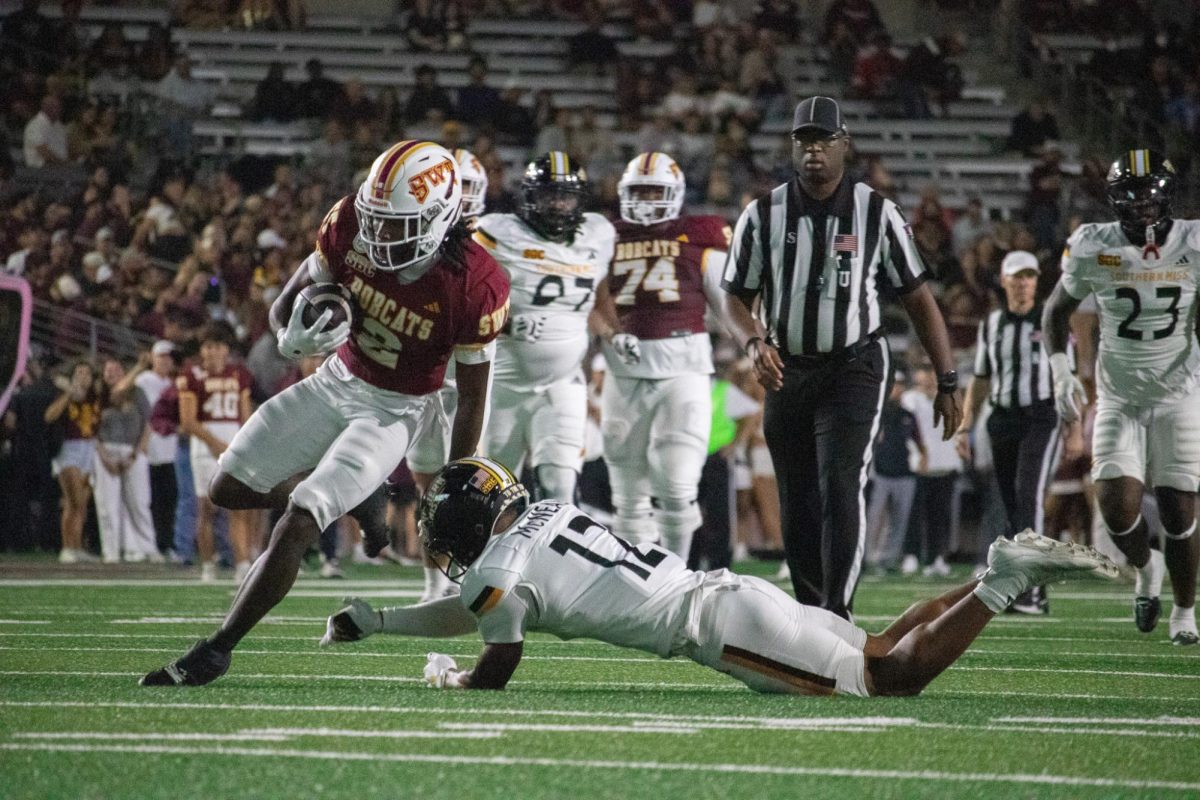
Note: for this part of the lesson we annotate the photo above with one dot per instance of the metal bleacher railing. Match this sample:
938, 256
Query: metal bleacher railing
71, 334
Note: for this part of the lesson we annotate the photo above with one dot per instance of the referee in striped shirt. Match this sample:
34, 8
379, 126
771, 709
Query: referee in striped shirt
1012, 371
806, 268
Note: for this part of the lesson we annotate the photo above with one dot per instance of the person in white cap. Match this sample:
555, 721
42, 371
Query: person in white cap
1013, 373
157, 374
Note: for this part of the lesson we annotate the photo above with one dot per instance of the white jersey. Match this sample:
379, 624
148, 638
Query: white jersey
557, 570
555, 284
1147, 304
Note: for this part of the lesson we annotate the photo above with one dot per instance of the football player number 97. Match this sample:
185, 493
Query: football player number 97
657, 277
551, 287
379, 343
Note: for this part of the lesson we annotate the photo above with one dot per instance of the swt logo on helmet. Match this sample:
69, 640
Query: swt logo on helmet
421, 183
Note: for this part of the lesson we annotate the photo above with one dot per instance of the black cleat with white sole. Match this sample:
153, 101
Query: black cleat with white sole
1185, 639
201, 665
1146, 611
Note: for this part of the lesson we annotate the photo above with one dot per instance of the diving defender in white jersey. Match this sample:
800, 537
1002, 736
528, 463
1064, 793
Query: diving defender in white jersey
549, 567
1143, 270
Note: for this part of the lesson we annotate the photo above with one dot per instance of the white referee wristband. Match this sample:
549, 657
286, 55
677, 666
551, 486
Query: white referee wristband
1060, 365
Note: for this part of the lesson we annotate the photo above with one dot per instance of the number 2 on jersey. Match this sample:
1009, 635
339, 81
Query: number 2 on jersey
659, 277
581, 524
1133, 296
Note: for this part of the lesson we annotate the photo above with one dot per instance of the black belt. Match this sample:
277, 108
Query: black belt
840, 356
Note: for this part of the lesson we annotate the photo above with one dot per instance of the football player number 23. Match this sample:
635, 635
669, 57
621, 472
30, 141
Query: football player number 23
379, 343
641, 566
1133, 296
653, 277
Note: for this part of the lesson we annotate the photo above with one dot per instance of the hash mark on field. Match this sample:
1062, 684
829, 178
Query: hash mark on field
388, 734
348, 653
1163, 720
597, 764
153, 737
24, 622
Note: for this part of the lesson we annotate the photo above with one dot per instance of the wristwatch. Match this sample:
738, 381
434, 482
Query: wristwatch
947, 382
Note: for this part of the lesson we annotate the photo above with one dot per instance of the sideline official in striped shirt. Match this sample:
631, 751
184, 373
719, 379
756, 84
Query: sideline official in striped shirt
806, 266
1013, 371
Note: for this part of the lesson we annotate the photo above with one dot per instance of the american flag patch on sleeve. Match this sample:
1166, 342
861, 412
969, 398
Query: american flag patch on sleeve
845, 243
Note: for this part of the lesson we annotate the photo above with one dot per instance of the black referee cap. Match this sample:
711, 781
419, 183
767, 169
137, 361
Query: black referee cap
818, 114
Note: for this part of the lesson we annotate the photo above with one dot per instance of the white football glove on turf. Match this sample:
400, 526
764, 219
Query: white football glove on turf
1069, 395
354, 621
526, 327
441, 672
627, 347
297, 341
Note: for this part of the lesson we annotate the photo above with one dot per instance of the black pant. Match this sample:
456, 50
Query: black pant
819, 428
1025, 451
711, 544
932, 514
164, 495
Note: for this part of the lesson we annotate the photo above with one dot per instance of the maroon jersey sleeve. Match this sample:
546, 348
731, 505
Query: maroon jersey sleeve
707, 232
486, 302
335, 238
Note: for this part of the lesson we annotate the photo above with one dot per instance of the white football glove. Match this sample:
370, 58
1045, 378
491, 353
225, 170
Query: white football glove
1069, 395
441, 671
627, 347
356, 620
526, 327
297, 341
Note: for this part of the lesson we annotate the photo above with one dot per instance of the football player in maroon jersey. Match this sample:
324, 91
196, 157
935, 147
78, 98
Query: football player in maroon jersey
214, 403
424, 292
657, 400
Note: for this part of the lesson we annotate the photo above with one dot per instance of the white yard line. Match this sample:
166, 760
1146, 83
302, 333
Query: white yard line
316, 651
151, 737
1058, 671
24, 622
597, 764
1164, 720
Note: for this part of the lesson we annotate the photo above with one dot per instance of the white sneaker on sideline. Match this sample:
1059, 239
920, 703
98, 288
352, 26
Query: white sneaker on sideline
360, 557
909, 565
938, 569
134, 558
330, 568
208, 572
68, 555
784, 573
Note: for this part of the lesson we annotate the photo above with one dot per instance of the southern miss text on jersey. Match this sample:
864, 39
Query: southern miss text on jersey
553, 281
218, 395
402, 334
658, 282
1147, 302
557, 570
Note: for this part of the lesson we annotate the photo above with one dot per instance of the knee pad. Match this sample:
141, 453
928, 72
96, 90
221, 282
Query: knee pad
635, 523
1118, 534
1187, 534
676, 521
555, 483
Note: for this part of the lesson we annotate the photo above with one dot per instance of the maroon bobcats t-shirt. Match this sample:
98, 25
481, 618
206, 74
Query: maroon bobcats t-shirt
657, 279
403, 334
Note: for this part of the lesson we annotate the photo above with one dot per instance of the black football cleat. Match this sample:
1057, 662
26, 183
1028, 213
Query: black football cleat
201, 665
1146, 611
371, 515
1032, 601
1185, 639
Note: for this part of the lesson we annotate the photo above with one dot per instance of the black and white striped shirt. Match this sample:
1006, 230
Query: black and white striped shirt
1008, 351
818, 264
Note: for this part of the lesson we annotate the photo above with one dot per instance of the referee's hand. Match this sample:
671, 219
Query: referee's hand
768, 366
947, 411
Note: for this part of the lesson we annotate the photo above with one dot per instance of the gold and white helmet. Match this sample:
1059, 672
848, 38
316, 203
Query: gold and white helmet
410, 199
656, 171
474, 183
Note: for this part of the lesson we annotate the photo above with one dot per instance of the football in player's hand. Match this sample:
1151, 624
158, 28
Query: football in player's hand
321, 297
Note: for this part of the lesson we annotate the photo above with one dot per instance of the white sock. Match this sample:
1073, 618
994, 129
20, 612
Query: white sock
997, 591
1182, 619
435, 582
1148, 579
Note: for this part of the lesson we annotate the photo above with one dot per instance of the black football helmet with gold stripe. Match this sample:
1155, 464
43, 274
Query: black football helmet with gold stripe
459, 511
1141, 186
554, 191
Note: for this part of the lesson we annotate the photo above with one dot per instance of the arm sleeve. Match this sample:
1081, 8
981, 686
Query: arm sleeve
318, 269
503, 621
444, 617
900, 258
1076, 274
983, 367
486, 310
744, 264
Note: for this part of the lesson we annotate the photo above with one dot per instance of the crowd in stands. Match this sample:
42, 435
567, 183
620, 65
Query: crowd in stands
160, 241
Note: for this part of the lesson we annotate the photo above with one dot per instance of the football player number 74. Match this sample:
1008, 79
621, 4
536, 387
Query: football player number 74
658, 276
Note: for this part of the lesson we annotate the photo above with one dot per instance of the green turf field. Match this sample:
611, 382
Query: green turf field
1076, 705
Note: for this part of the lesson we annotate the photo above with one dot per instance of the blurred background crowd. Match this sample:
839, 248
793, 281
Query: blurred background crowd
161, 168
